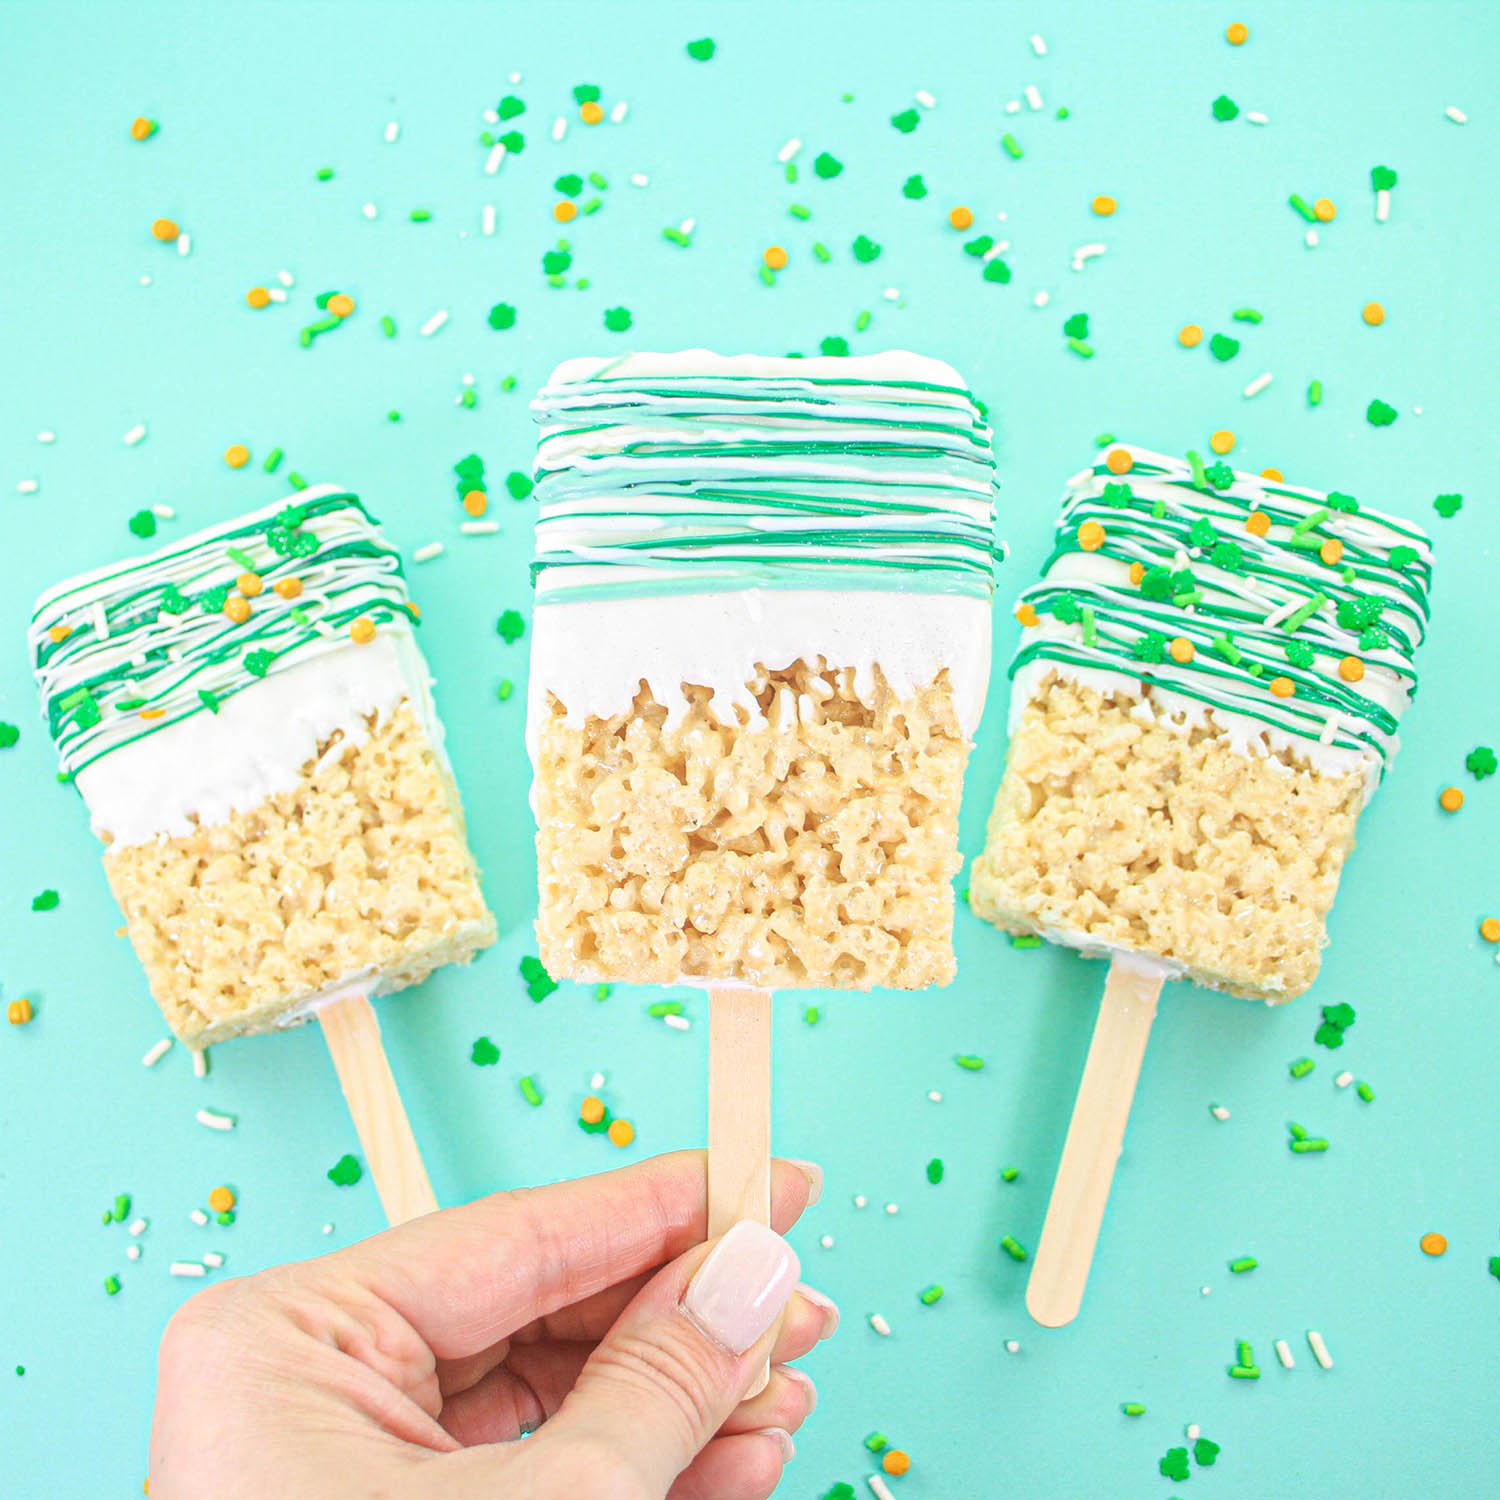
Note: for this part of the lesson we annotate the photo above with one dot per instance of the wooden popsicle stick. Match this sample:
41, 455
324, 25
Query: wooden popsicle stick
739, 1107
1096, 1134
352, 1031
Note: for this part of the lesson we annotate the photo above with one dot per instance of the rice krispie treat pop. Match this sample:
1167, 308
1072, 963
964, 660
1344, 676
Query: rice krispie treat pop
760, 650
1205, 696
248, 717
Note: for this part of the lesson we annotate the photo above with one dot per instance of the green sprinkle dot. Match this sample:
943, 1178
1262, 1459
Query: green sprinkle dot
325, 174
518, 484
811, 1015
1302, 1067
1225, 108
602, 992
421, 215
1012, 146
969, 1062
111, 1285
484, 1053
1365, 1092
1012, 1247
1063, 112
827, 165
45, 901
702, 49
387, 327
1242, 1264
1246, 315
1009, 1174
799, 211
1315, 393
862, 321
395, 416
660, 1008
506, 688
1025, 940
1133, 1408
821, 251
226, 1218
930, 1295
530, 1092
121, 1207
1083, 350
502, 315
345, 1172
1303, 207
935, 1170
907, 121
876, 1442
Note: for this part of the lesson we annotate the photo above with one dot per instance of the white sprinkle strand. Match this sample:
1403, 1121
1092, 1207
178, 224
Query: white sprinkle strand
200, 1062
860, 1201
213, 1258
1194, 1432
678, 1023
1085, 253
826, 1242
1012, 1346
559, 127
1457, 115
213, 1121
490, 117
479, 528
639, 179
1033, 95
188, 1268
487, 219
925, 99
1012, 106
893, 1208
328, 1229
596, 1082
276, 293
1310, 239
369, 211
515, 77
46, 435
1257, 385
27, 487
392, 131
879, 1488
136, 1228
164, 512
618, 113
1203, 1291
1282, 612
935, 1096
1038, 46
1218, 1112
433, 323
198, 1217
427, 553
1382, 205
1041, 299
100, 620
1284, 1354
184, 244
1319, 1348
789, 150
135, 434
1343, 1080
285, 278
880, 1325
132, 1252
688, 226
1255, 117
892, 294
493, 160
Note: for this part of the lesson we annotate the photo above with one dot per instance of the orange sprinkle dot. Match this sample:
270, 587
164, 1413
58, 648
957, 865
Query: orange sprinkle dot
362, 631
1351, 668
1104, 205
895, 1461
1119, 461
1451, 799
1331, 550
249, 584
416, 611
341, 304
1181, 649
621, 1132
153, 713
221, 1200
141, 128
19, 1012
289, 588
1028, 616
165, 229
591, 1111
236, 455
258, 296
1091, 536
1283, 687
1433, 1243
564, 210
775, 257
1258, 523
1221, 441
1137, 571
237, 608
60, 633
1236, 33
1324, 209
591, 113
476, 502
1273, 474
961, 217
1373, 314
1190, 336
1489, 929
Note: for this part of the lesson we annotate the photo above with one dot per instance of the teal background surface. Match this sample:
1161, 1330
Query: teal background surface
252, 100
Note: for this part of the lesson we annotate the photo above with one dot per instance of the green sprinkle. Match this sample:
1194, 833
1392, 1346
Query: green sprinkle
1246, 315
1191, 596
790, 171
799, 211
325, 174
506, 688
1494, 1271
1382, 178
1242, 1264
877, 1442
226, 1218
767, 275
467, 399
1303, 207
1205, 1452
1009, 1174
1365, 1092
599, 180
530, 1092
969, 1062
907, 121
45, 901
1195, 462
502, 315
121, 1208
518, 485
539, 983
935, 1170
510, 627
1380, 414
617, 319
1173, 1464
1314, 518
676, 236
1133, 1408
826, 165
1025, 940
929, 1295
1448, 506
1244, 1372
143, 523
1225, 108
914, 187
1081, 349
420, 215
1244, 1353
1481, 761
1063, 112
862, 321
602, 991
345, 1172
1302, 1067
508, 383
592, 205
294, 479
1299, 1132
1012, 146
570, 184
702, 49
1222, 347
1305, 611
821, 251
111, 1285
1315, 393
484, 1053
1228, 650
865, 249
840, 1491
209, 700
1012, 1247
660, 1008
834, 345
1312, 1143
811, 1014
509, 107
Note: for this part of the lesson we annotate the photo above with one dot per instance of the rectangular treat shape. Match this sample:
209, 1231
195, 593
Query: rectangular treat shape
1206, 692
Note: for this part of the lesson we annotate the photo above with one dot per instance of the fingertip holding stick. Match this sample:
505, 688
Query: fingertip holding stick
352, 1031
739, 1112
1096, 1134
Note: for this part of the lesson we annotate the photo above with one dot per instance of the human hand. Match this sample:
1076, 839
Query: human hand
588, 1313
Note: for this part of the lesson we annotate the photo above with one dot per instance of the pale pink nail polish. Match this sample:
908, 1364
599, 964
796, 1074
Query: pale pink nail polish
740, 1289
825, 1304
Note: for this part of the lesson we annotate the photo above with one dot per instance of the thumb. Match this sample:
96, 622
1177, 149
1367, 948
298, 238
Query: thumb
681, 1357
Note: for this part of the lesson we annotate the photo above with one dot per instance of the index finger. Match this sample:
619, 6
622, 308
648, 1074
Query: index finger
467, 1277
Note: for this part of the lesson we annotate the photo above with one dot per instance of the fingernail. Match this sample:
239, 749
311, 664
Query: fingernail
783, 1441
802, 1378
740, 1289
826, 1304
814, 1174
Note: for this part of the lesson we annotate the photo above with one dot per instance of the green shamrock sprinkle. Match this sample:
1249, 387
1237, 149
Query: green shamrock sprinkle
1380, 414
586, 93
702, 49
258, 663
485, 1053
996, 270
45, 901
1228, 555
865, 249
914, 187
1150, 647
826, 165
1402, 557
833, 344
539, 983
1382, 178
570, 184
1300, 654
1480, 761
1118, 494
1222, 347
1204, 1453
907, 121
9, 734
935, 1170
1448, 506
981, 246
1201, 533
509, 107
1220, 475
1174, 1464
1077, 327
514, 142
1224, 109
617, 319
345, 1172
510, 626
519, 484
555, 262
143, 523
